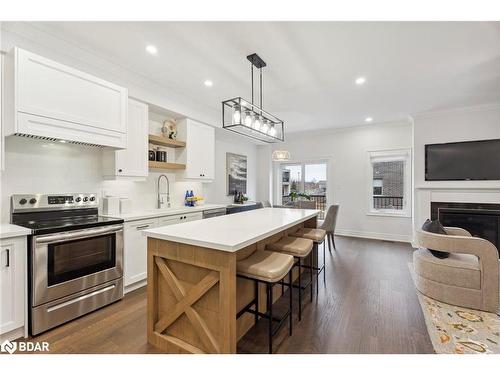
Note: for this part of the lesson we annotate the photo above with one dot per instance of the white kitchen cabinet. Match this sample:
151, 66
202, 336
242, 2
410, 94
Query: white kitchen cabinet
180, 218
13, 297
199, 153
50, 100
135, 253
132, 162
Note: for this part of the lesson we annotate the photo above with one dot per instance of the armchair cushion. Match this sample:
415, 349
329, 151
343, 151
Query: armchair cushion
435, 227
459, 270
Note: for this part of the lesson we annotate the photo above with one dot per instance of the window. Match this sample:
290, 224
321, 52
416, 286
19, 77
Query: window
378, 185
304, 178
390, 182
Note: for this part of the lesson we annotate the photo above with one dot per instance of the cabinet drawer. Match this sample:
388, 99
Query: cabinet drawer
180, 218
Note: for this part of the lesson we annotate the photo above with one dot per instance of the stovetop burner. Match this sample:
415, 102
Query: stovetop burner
45, 214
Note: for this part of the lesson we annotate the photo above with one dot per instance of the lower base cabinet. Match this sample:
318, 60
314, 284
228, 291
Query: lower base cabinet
135, 252
135, 246
13, 299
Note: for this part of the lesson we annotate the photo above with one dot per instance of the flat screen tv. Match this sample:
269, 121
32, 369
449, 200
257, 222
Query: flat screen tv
475, 160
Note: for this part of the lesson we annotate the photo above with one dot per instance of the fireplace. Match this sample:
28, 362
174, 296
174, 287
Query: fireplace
480, 219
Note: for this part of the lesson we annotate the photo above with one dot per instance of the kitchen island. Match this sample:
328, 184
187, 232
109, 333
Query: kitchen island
193, 292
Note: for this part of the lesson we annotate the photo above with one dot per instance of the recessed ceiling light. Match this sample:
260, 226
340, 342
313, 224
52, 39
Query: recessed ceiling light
152, 49
360, 80
368, 119
208, 83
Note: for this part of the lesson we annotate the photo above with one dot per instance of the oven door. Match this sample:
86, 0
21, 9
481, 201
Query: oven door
69, 262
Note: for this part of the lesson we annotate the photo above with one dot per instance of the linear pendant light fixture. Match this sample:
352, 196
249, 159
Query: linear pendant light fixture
247, 118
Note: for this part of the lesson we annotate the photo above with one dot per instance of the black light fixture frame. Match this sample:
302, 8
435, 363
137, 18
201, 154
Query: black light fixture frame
231, 105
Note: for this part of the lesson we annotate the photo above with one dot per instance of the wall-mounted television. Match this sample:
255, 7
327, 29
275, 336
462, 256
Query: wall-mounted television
474, 160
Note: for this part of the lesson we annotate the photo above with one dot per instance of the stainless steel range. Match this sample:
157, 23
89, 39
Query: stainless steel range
75, 257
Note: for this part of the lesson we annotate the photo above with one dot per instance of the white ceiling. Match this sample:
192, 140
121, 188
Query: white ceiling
410, 67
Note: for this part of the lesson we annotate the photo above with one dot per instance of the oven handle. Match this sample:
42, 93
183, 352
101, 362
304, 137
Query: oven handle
78, 234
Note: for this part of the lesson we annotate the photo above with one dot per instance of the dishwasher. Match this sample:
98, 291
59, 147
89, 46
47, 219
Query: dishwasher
214, 212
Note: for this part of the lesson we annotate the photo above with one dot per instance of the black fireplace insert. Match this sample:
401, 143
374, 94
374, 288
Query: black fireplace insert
480, 219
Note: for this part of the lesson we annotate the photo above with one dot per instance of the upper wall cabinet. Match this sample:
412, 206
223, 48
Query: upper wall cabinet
199, 153
50, 100
132, 162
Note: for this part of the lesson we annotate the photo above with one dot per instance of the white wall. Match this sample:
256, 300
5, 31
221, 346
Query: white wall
229, 142
461, 124
346, 150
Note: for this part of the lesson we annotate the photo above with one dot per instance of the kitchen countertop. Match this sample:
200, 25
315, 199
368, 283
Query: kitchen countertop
11, 230
232, 232
156, 212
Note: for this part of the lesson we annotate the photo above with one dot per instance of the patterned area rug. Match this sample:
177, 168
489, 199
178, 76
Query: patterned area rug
458, 330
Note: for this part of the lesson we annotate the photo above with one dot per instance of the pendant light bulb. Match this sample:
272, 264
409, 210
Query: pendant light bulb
237, 115
265, 126
248, 119
272, 131
256, 124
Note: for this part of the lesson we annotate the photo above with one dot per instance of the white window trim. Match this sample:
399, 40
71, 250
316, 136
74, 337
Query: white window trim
390, 155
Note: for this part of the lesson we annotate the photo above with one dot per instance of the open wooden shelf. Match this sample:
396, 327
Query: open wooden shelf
167, 142
163, 165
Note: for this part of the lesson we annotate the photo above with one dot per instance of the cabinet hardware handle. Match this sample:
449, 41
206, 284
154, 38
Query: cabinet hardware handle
120, 170
142, 227
8, 258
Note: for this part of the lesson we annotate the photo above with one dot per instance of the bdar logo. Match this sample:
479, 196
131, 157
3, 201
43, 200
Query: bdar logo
8, 347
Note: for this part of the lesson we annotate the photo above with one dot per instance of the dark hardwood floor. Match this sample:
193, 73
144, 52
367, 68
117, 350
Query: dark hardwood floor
369, 305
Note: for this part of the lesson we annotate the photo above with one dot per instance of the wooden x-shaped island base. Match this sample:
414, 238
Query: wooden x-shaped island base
193, 291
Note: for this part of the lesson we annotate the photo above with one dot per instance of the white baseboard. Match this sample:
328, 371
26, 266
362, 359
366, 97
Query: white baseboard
135, 286
12, 335
374, 235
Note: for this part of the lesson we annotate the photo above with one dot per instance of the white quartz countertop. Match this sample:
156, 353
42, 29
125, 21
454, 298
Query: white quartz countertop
232, 232
156, 212
11, 230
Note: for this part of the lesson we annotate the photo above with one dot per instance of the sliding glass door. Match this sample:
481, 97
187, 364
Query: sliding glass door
304, 181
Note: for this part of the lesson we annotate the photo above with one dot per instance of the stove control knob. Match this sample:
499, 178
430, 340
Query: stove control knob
85, 199
22, 201
78, 199
32, 201
92, 199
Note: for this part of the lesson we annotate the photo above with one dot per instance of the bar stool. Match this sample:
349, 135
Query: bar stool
299, 248
269, 268
318, 236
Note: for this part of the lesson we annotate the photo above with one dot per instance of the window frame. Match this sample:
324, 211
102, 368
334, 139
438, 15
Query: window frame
384, 156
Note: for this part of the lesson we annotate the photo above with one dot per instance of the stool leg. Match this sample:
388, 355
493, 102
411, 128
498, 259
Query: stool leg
256, 291
324, 264
317, 269
300, 290
291, 309
270, 299
333, 240
311, 272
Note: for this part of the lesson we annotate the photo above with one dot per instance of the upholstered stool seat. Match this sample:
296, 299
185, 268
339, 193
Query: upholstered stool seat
315, 234
268, 268
265, 266
296, 246
300, 248
318, 236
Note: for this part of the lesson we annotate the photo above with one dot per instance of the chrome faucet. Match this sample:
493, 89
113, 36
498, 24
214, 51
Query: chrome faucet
161, 196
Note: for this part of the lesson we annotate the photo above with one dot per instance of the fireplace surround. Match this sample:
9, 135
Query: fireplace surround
480, 219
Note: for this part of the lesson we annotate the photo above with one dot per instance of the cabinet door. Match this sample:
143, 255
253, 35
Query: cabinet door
73, 105
133, 162
201, 151
135, 250
12, 288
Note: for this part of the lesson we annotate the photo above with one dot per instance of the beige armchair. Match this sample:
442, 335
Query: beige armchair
469, 277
